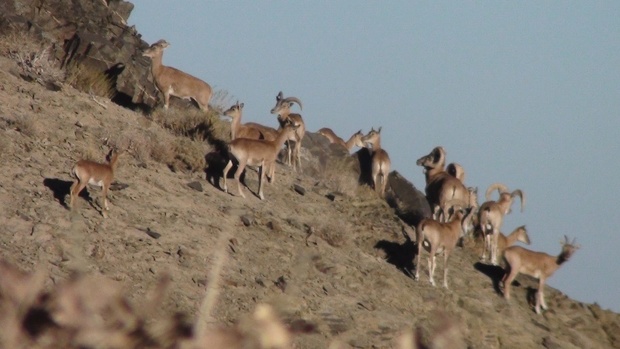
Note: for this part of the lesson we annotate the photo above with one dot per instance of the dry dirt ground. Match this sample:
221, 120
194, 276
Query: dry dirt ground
340, 286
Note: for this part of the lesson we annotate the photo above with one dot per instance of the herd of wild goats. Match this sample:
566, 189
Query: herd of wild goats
455, 208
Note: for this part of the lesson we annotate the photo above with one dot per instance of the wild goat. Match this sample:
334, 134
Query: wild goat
457, 171
355, 140
491, 216
248, 130
442, 189
283, 110
256, 152
173, 82
94, 173
380, 160
536, 264
440, 237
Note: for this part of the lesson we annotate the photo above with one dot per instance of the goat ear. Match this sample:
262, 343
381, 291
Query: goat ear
379, 130
241, 105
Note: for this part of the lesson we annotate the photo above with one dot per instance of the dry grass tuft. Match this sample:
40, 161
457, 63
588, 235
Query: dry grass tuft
335, 233
25, 124
90, 80
339, 175
6, 146
193, 123
188, 156
34, 57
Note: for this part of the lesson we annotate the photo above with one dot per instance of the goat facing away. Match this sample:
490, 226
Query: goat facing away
283, 110
539, 265
94, 173
173, 82
380, 160
491, 216
440, 238
256, 152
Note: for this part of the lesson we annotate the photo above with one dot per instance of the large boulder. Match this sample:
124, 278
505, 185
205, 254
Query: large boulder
93, 33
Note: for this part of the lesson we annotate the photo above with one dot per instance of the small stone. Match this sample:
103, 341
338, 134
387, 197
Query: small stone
274, 225
153, 234
247, 220
299, 189
196, 186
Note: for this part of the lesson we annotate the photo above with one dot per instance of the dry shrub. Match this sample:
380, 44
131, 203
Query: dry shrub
335, 233
162, 152
188, 156
90, 80
5, 146
34, 56
94, 312
25, 124
339, 175
138, 142
193, 123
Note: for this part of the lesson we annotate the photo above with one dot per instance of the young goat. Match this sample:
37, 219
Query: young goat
440, 237
536, 264
89, 172
171, 81
491, 216
249, 130
381, 162
283, 110
257, 152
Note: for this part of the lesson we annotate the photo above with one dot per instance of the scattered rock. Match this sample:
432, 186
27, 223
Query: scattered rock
153, 234
247, 220
274, 226
196, 186
299, 189
280, 283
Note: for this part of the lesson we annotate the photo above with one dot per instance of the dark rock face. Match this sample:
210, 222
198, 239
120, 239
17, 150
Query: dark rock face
410, 203
93, 33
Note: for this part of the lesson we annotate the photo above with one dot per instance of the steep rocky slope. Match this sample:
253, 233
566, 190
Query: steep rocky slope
335, 267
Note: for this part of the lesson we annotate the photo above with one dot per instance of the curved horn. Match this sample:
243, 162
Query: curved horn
520, 193
499, 186
293, 99
439, 156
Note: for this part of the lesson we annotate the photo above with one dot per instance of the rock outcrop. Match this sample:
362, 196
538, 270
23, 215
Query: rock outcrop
90, 33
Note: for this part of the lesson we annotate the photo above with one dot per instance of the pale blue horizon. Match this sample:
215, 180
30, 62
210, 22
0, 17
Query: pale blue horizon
524, 93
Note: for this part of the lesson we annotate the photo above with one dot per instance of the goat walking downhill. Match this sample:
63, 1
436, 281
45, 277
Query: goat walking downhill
539, 265
173, 82
441, 238
256, 152
94, 173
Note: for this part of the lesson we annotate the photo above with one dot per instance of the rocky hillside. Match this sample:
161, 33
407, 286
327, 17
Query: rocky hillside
322, 262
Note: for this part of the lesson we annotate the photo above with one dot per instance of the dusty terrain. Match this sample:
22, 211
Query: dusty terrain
344, 282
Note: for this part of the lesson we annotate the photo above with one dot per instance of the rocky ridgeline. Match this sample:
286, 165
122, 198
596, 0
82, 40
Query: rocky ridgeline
89, 32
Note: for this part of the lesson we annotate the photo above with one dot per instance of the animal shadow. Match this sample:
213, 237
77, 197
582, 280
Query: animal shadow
216, 162
494, 272
60, 188
364, 156
399, 255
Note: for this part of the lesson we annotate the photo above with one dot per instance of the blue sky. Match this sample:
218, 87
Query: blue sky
525, 93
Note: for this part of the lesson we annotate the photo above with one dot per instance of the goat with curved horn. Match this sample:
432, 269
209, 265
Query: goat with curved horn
283, 110
491, 216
